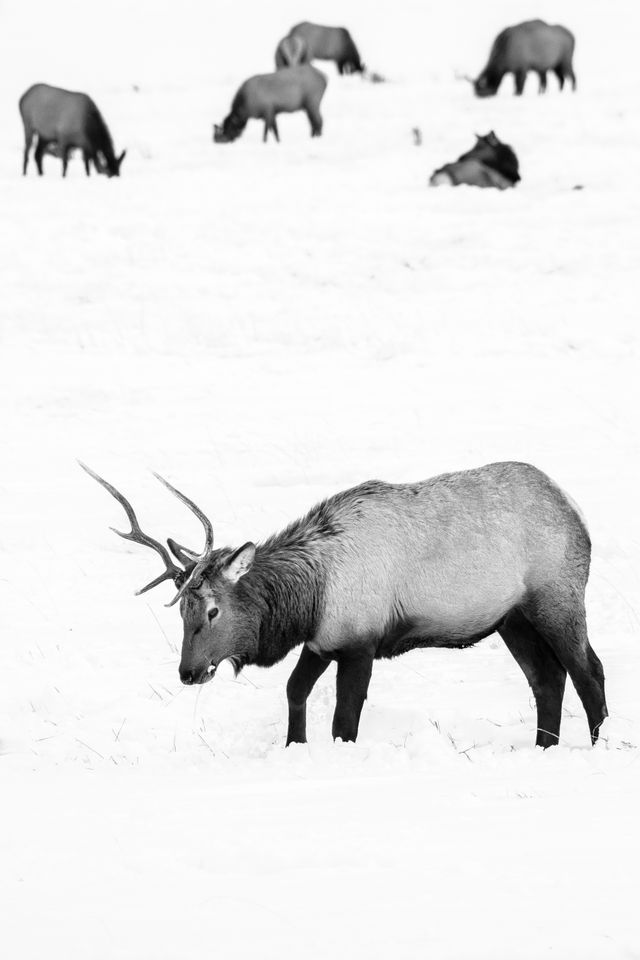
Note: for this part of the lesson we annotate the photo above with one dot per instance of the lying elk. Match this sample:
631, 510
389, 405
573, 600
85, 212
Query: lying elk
62, 121
265, 96
383, 568
533, 45
322, 43
489, 163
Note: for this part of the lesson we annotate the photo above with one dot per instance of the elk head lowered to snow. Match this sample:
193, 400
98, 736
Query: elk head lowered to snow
384, 568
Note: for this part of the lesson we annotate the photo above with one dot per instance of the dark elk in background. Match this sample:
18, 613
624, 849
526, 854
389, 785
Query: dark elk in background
490, 163
311, 41
533, 45
263, 97
384, 568
61, 121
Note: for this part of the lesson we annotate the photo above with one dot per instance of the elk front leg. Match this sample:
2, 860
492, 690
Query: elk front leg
307, 671
65, 151
39, 154
354, 674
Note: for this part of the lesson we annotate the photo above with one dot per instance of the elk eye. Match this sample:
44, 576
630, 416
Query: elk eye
212, 613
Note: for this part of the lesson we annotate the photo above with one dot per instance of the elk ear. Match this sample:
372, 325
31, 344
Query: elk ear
121, 158
239, 562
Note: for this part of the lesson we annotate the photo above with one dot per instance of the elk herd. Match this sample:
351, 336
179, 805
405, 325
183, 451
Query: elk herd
57, 121
379, 569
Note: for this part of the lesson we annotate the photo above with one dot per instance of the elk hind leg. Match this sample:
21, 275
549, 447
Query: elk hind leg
544, 672
559, 616
352, 683
542, 76
315, 119
307, 671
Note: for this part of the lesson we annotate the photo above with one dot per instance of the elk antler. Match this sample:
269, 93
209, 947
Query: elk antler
202, 560
136, 535
181, 553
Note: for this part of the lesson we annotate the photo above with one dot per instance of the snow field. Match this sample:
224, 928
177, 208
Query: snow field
265, 326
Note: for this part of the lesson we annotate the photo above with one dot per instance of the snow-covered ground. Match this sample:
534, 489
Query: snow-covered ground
265, 326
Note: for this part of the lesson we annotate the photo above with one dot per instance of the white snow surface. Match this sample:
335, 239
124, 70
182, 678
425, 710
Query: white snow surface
267, 325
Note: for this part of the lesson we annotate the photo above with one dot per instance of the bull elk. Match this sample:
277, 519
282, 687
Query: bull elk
383, 568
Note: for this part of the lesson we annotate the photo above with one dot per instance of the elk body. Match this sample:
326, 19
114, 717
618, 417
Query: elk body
533, 45
489, 163
263, 97
384, 568
321, 43
61, 121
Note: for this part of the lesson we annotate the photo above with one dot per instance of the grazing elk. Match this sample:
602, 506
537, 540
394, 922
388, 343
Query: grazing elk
62, 121
263, 97
489, 163
384, 568
324, 43
533, 45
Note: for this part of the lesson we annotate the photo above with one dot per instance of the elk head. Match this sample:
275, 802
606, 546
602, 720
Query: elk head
222, 133
483, 86
486, 85
109, 165
219, 622
229, 130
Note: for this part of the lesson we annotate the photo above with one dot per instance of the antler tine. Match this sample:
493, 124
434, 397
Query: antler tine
204, 520
181, 553
136, 535
201, 560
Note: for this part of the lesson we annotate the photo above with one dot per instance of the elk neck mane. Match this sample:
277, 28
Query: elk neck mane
100, 133
286, 584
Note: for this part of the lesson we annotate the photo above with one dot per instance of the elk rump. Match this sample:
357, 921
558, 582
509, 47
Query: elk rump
291, 51
533, 45
263, 97
61, 121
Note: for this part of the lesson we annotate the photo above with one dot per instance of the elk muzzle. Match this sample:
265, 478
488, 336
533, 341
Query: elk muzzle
192, 672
